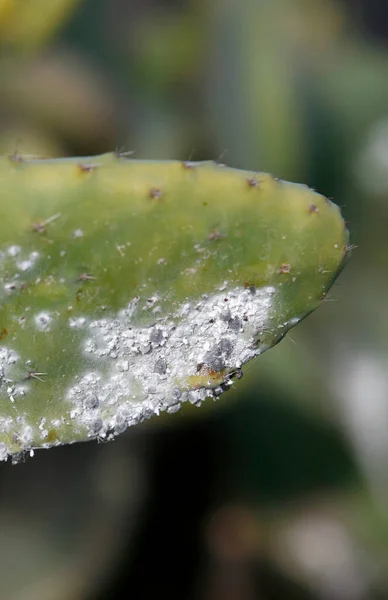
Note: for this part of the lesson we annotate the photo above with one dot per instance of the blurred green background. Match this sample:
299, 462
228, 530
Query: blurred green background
279, 490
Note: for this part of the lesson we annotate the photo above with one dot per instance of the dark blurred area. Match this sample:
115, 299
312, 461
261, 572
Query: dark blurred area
279, 490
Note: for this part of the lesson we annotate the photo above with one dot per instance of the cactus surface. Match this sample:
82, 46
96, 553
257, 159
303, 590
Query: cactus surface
128, 287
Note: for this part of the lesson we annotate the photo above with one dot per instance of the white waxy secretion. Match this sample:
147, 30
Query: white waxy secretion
129, 372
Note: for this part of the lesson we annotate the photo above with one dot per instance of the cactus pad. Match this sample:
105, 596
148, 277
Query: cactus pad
128, 287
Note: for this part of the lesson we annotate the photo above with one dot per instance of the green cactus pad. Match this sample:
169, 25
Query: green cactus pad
128, 287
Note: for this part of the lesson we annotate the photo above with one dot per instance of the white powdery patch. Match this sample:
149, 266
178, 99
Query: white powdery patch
22, 433
8, 358
9, 373
15, 257
13, 251
43, 321
3, 452
15, 264
77, 323
28, 263
138, 372
8, 362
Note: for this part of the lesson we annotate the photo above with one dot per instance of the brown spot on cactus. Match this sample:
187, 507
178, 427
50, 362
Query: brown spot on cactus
285, 268
86, 168
52, 436
156, 193
216, 235
253, 182
39, 227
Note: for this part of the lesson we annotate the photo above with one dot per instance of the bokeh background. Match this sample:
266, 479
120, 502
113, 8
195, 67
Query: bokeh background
279, 490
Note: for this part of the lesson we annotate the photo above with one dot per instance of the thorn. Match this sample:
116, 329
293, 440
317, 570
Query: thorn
85, 277
121, 153
53, 218
349, 248
220, 158
313, 208
36, 375
41, 227
191, 155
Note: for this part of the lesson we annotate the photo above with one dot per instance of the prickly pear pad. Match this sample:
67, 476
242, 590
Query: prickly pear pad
128, 287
